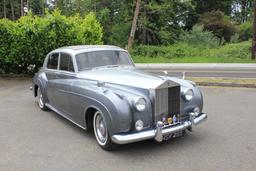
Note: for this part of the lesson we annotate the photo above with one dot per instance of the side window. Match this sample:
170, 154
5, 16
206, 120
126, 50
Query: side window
66, 63
53, 61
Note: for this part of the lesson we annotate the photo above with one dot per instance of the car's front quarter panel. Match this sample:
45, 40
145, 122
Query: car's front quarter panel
197, 101
128, 96
87, 94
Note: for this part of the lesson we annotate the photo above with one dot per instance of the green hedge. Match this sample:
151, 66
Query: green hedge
25, 42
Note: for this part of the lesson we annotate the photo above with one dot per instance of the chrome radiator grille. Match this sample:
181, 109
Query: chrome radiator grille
167, 102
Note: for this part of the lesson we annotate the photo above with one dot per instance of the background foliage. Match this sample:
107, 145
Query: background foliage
167, 30
25, 42
161, 22
187, 53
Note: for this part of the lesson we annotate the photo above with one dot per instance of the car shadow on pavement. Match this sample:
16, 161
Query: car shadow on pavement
151, 146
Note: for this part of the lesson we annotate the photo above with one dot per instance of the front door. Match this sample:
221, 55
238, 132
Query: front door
51, 75
65, 75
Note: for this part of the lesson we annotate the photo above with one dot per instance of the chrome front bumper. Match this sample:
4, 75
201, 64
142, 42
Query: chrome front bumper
160, 130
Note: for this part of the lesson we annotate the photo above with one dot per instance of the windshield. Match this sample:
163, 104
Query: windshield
109, 58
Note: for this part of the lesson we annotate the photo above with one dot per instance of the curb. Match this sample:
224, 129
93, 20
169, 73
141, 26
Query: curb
15, 76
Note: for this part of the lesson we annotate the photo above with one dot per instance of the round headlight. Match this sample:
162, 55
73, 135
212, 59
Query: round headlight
140, 104
139, 125
188, 94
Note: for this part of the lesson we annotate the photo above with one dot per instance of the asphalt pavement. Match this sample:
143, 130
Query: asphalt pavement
31, 139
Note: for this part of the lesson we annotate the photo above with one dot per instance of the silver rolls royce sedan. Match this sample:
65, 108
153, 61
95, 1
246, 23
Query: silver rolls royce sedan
99, 88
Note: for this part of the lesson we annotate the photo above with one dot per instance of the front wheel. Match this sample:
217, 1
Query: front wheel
101, 132
40, 100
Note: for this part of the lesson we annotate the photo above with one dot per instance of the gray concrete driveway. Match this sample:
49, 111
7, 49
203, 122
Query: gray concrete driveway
31, 139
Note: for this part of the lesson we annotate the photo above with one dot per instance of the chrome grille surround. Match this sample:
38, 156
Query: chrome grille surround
166, 101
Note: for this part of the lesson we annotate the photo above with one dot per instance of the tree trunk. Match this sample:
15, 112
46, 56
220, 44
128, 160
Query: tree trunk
134, 25
144, 31
21, 8
95, 7
254, 31
243, 12
28, 3
4, 8
43, 2
12, 9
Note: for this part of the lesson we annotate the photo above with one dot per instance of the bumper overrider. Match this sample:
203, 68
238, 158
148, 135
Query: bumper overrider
160, 131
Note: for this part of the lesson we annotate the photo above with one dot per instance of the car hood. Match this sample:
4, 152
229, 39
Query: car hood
123, 76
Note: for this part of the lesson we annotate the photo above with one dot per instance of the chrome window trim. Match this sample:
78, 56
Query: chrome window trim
67, 72
47, 59
71, 56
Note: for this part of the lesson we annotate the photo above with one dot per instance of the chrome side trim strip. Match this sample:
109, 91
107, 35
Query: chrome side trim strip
64, 116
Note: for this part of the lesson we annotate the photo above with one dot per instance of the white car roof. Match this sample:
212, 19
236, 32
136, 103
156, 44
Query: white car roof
86, 48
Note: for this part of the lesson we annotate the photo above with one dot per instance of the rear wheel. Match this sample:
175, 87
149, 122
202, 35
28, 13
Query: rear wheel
40, 100
101, 132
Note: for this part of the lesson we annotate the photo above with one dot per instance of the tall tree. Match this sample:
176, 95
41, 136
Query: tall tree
37, 7
242, 10
204, 6
12, 9
161, 22
5, 14
21, 7
254, 31
134, 25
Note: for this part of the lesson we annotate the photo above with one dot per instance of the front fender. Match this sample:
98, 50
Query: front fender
114, 108
197, 101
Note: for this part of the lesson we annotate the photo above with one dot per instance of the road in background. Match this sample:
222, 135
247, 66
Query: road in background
203, 70
31, 139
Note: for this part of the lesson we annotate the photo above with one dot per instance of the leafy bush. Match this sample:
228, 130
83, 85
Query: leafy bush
6, 38
175, 50
25, 42
200, 38
245, 31
219, 24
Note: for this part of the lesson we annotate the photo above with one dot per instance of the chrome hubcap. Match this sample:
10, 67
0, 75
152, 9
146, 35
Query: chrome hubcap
100, 128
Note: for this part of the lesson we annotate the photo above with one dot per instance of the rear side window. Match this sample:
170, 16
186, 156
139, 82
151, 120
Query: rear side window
66, 63
53, 61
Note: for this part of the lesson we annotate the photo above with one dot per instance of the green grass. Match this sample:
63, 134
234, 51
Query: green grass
140, 59
184, 53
